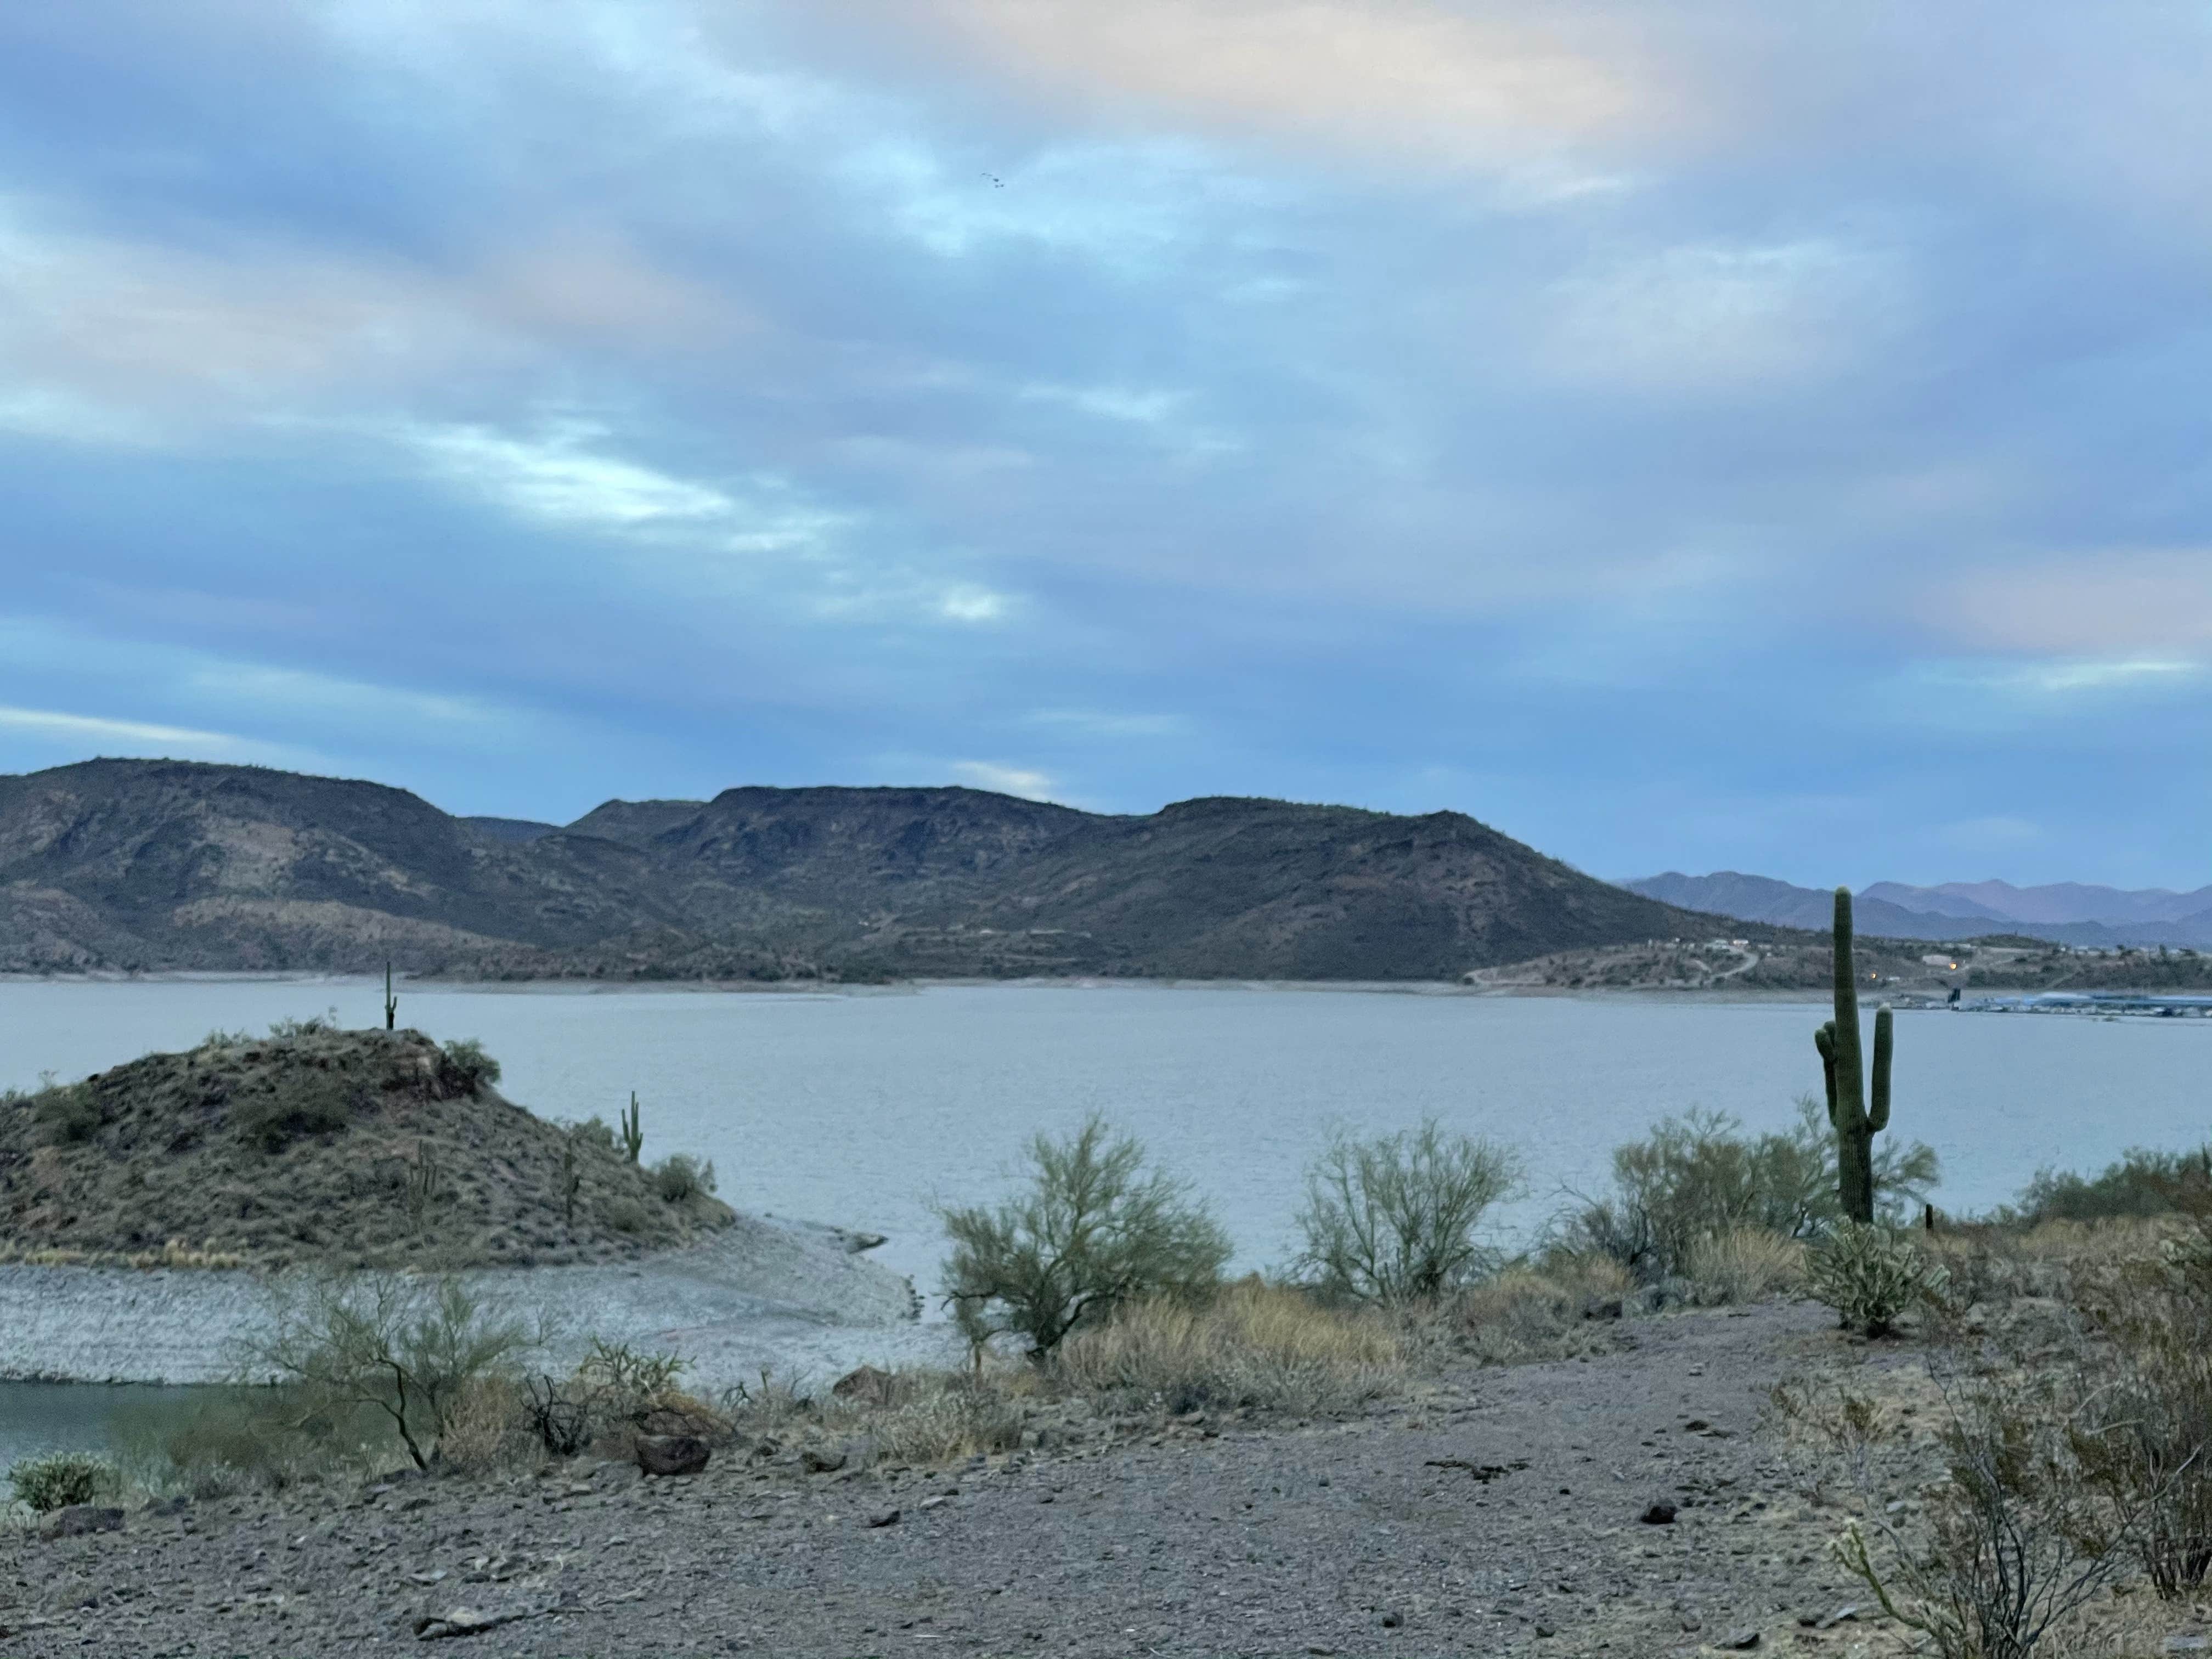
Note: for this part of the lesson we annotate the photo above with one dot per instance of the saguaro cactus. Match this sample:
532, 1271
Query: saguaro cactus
1854, 1121
390, 1002
632, 1131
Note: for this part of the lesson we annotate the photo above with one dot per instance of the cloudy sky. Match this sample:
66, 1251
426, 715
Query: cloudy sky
1699, 435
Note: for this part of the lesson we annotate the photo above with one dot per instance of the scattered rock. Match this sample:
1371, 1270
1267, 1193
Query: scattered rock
671, 1453
74, 1520
1607, 1307
887, 1518
1658, 1513
2185, 1644
818, 1460
1848, 1610
1740, 1641
1545, 1630
176, 1505
1391, 1621
936, 1503
464, 1621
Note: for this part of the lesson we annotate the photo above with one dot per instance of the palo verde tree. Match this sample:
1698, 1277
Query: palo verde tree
1855, 1122
1094, 1231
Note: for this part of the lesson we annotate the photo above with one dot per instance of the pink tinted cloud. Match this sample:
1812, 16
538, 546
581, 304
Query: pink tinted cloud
2098, 602
1478, 86
168, 334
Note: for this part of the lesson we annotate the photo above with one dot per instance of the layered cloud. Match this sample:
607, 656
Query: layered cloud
1692, 436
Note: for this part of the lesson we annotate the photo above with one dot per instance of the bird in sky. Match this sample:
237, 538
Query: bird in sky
996, 180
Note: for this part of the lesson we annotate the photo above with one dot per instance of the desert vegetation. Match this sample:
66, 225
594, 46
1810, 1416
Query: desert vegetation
313, 1146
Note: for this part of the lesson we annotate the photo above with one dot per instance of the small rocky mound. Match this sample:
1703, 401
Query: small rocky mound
354, 1148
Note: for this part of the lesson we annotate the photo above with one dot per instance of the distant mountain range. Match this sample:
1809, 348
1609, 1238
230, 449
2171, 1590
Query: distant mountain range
2065, 913
163, 865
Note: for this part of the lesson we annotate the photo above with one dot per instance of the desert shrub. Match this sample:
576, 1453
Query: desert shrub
264, 1439
940, 1419
1529, 1311
680, 1177
618, 1368
60, 1479
406, 1347
1093, 1231
1743, 1265
489, 1426
625, 1215
2141, 1183
467, 1056
285, 1030
66, 1115
2147, 1440
1392, 1219
1698, 1175
2016, 1539
595, 1131
1271, 1346
616, 1392
300, 1102
1870, 1275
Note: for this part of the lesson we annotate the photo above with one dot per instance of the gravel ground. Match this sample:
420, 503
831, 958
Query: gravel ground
1495, 1512
788, 1295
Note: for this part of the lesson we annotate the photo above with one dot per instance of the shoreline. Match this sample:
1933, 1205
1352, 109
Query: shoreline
794, 1298
819, 989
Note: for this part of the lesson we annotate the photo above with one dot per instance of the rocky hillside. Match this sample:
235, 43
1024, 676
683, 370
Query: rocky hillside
314, 1144
135, 865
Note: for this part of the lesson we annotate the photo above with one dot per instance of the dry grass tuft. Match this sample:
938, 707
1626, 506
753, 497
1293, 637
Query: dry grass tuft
488, 1430
1547, 1312
1744, 1265
1266, 1346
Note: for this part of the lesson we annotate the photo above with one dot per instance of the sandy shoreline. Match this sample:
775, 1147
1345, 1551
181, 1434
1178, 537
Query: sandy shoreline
787, 1297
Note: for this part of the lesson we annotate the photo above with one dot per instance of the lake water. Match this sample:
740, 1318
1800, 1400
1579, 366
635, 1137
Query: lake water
860, 1107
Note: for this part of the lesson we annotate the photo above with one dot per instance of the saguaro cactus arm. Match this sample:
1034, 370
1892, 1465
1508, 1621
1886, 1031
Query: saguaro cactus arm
1824, 1039
1884, 1041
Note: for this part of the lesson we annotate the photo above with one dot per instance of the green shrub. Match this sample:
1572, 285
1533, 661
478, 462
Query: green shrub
2141, 1182
1870, 1275
681, 1177
66, 1116
60, 1479
1698, 1177
595, 1131
300, 1102
1392, 1219
313, 1025
410, 1347
625, 1215
467, 1056
1092, 1232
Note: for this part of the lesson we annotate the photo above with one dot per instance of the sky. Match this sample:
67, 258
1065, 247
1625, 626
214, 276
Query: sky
1709, 435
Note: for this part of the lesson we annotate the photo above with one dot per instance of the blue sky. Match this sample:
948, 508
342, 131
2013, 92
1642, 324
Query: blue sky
1690, 437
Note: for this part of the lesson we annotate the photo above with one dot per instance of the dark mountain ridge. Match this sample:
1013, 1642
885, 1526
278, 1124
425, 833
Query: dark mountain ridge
117, 865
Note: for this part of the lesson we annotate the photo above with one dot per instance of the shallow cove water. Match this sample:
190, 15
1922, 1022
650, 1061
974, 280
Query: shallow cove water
858, 1108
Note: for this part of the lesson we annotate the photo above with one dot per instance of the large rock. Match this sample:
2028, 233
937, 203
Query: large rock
671, 1453
74, 1520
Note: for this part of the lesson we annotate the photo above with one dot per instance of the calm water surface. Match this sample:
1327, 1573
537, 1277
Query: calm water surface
861, 1108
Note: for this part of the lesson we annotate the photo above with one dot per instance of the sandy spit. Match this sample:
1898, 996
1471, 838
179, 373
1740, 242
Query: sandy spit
787, 1297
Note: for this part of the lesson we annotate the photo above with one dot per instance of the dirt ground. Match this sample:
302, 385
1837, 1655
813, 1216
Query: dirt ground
1495, 1511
